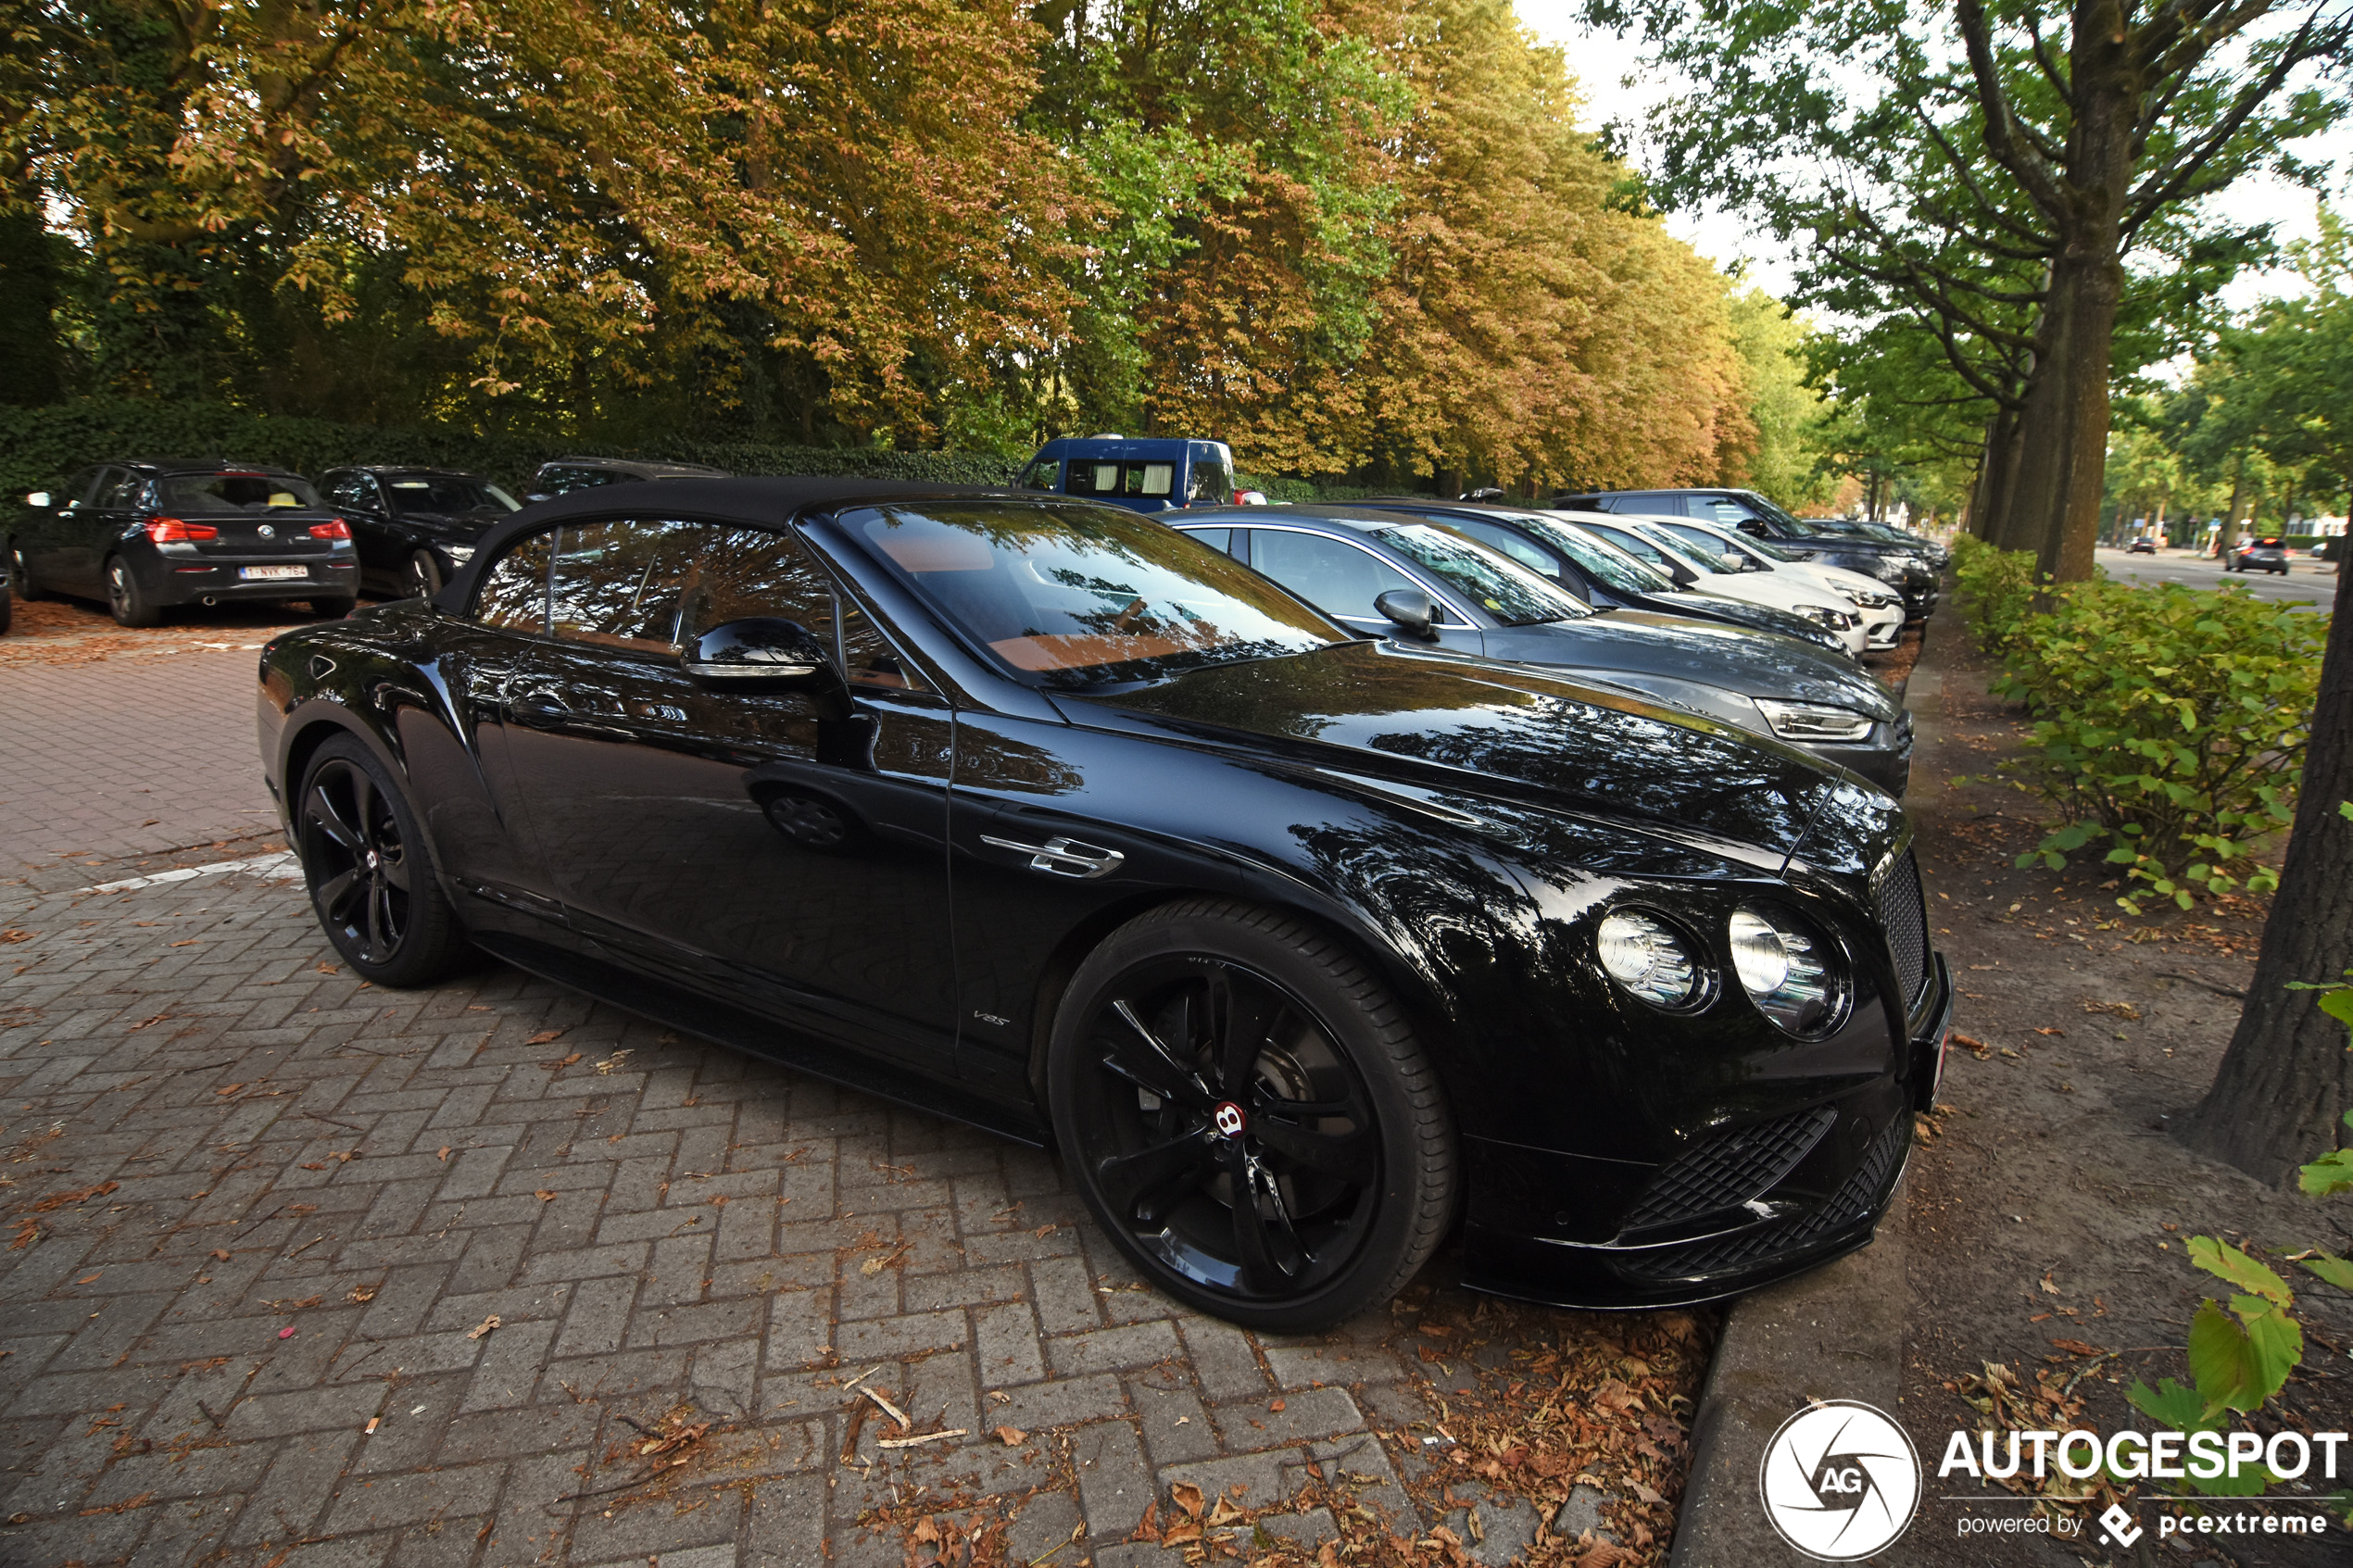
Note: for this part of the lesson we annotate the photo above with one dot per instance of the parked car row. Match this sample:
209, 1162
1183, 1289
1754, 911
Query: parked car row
148, 536
1320, 880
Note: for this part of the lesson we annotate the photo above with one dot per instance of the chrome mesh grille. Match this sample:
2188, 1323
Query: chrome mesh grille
1726, 1172
1852, 1202
1905, 920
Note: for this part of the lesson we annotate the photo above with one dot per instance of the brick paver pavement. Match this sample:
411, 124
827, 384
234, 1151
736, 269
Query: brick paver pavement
257, 1208
127, 755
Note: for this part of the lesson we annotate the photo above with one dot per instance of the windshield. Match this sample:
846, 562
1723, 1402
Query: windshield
1072, 598
1674, 550
1760, 505
449, 495
1608, 565
1509, 592
235, 495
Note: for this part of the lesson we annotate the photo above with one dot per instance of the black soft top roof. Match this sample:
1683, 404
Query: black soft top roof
757, 501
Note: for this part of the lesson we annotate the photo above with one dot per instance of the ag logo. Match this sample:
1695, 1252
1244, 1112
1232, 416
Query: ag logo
1840, 1481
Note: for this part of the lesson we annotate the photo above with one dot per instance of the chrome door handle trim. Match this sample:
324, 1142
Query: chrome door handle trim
1063, 857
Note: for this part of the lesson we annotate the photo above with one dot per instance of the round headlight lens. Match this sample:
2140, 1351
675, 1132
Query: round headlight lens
1648, 957
1788, 970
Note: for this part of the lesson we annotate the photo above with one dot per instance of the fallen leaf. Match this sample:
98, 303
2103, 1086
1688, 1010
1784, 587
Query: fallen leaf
1187, 1496
544, 1196
12, 934
487, 1325
189, 943
220, 1254
313, 1165
2046, 1030
89, 1279
443, 1153
1277, 1406
2048, 1288
544, 1036
926, 1530
2077, 1347
229, 1090
1225, 1512
1011, 1436
563, 1061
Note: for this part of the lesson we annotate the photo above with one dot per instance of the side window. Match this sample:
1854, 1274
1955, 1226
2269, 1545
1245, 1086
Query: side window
1150, 479
78, 488
1726, 510
1496, 537
124, 493
869, 660
562, 479
514, 591
622, 585
750, 572
351, 490
1092, 479
1335, 576
1658, 504
1216, 538
1043, 474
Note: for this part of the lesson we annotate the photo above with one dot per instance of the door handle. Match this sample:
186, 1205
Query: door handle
544, 701
1063, 857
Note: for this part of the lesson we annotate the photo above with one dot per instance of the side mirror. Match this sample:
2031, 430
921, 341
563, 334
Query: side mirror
38, 498
759, 651
1734, 561
1410, 608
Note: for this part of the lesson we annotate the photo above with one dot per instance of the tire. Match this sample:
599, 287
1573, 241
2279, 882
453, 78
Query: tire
422, 579
29, 588
370, 874
1174, 1049
126, 600
333, 608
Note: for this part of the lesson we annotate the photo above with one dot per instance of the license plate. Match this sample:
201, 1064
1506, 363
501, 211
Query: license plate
271, 573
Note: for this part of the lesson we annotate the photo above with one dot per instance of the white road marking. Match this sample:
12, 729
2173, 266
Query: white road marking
280, 867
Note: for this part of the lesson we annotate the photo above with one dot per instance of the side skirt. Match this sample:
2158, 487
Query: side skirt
758, 1037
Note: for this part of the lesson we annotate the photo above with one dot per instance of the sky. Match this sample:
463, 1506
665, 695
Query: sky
1602, 62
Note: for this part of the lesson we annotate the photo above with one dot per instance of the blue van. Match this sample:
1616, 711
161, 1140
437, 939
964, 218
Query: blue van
1145, 474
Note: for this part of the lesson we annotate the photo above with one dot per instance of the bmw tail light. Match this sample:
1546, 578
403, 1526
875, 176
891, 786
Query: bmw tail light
172, 530
335, 530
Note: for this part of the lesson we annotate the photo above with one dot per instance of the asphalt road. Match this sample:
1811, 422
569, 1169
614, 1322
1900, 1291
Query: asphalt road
2307, 580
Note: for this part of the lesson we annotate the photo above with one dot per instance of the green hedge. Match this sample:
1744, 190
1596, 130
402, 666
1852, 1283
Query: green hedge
40, 446
2170, 721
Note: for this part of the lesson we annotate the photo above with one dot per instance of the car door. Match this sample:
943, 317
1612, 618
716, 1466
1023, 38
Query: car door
45, 540
1342, 577
784, 848
113, 506
361, 502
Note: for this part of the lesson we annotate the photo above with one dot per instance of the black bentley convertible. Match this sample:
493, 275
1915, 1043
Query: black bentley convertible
1301, 949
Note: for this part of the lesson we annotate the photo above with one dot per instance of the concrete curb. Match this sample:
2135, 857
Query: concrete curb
1836, 1333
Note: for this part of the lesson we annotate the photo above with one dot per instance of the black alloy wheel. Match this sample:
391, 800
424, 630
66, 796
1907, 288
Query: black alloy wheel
422, 579
126, 600
1248, 1115
370, 878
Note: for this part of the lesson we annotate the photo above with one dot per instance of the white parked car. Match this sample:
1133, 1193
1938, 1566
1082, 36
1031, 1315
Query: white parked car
1879, 607
1815, 603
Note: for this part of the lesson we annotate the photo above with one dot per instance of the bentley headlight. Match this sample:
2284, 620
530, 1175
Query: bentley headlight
1651, 959
1789, 971
1815, 721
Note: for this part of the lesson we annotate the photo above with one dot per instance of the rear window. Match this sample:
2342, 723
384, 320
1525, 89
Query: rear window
233, 495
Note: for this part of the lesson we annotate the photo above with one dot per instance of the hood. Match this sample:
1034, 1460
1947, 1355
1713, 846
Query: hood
1474, 725
1730, 657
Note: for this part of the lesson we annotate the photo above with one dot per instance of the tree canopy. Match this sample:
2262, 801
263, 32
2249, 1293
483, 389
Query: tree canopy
1351, 237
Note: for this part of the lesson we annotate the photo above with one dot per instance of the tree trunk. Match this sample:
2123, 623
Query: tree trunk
2002, 523
2230, 534
2280, 1097
2063, 455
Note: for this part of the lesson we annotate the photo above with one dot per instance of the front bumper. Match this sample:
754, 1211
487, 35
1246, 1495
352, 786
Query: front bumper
1885, 760
1770, 1200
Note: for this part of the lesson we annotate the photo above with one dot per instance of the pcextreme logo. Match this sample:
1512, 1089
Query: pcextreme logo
1840, 1480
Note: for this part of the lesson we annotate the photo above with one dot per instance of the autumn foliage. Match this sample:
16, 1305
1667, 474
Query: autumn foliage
1350, 236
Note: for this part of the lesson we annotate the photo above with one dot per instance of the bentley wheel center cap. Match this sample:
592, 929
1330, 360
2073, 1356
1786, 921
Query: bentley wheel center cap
1228, 1120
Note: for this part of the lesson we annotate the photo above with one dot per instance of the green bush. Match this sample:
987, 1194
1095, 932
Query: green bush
1996, 589
39, 447
2169, 722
